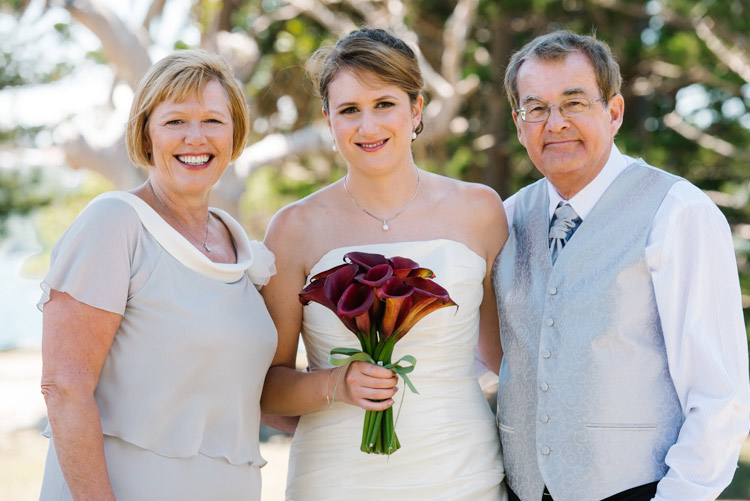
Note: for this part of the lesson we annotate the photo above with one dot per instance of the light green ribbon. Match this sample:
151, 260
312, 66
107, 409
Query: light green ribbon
353, 355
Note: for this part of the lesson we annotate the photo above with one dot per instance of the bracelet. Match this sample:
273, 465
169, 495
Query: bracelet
328, 386
338, 380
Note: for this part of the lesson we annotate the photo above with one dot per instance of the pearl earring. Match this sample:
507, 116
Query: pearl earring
333, 148
413, 135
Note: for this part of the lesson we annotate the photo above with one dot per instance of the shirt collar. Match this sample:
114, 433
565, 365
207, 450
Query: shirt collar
583, 201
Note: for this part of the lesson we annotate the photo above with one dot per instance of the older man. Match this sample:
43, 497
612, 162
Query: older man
625, 373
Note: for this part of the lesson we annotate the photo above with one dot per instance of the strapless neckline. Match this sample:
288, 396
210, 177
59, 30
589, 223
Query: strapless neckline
404, 243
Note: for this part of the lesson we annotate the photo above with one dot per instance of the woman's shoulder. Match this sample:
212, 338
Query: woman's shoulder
295, 224
108, 212
468, 196
475, 213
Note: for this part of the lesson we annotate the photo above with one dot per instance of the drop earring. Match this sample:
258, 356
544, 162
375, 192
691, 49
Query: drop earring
413, 135
333, 148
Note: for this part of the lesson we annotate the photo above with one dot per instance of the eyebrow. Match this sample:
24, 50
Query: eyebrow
209, 111
573, 91
380, 99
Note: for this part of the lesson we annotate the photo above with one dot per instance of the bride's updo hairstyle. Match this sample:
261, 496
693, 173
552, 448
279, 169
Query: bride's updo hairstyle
368, 52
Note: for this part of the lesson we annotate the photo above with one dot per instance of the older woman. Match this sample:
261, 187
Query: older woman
156, 340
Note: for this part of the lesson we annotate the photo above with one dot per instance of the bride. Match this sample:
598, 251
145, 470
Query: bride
370, 84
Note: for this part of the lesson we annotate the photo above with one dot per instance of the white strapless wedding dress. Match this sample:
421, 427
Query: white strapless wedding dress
449, 442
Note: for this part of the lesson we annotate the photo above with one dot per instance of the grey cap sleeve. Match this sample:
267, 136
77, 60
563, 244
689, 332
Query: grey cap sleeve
93, 260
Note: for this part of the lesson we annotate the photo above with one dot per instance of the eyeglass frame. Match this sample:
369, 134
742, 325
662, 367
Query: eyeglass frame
522, 111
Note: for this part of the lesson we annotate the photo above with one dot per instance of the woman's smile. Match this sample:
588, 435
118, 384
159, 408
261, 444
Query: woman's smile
192, 161
372, 146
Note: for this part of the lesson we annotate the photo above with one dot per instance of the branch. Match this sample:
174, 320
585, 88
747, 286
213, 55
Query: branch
111, 162
674, 121
155, 10
241, 52
333, 22
737, 60
454, 38
276, 148
123, 47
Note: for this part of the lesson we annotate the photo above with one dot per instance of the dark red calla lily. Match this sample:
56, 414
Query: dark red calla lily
426, 298
421, 273
328, 289
404, 267
331, 271
354, 307
397, 298
428, 287
375, 276
365, 259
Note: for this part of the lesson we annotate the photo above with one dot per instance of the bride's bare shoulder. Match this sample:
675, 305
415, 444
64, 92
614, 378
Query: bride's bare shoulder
472, 199
298, 225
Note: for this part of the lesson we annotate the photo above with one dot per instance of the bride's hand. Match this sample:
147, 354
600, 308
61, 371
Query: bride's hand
367, 386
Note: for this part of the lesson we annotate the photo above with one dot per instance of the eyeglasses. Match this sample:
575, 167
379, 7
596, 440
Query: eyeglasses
537, 111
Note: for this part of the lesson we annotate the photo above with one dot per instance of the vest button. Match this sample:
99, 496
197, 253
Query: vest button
544, 387
546, 450
552, 291
546, 353
544, 418
550, 322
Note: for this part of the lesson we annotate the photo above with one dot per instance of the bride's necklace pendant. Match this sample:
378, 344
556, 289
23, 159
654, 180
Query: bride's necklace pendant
384, 220
205, 246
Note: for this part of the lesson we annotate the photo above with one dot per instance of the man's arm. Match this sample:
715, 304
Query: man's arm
694, 272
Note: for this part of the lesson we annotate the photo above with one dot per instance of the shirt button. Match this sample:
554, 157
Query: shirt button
552, 291
544, 418
546, 353
550, 322
544, 387
546, 450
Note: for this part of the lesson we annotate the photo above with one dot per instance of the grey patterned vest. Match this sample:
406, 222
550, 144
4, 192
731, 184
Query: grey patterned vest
586, 405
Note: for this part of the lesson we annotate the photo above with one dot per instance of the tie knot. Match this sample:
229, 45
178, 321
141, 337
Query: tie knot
564, 222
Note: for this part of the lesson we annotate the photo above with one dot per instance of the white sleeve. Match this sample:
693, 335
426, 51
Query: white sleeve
509, 204
694, 272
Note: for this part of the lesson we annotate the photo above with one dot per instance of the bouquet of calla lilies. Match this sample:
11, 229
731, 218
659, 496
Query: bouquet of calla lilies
379, 300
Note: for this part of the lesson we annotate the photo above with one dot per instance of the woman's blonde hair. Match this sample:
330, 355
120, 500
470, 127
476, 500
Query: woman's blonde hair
175, 77
368, 50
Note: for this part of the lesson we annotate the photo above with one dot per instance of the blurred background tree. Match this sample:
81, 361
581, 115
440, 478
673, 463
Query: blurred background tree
686, 66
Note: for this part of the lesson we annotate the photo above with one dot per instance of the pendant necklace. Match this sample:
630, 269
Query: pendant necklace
383, 220
208, 216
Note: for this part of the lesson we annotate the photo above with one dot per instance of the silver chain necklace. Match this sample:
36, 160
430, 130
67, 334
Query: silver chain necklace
208, 216
383, 220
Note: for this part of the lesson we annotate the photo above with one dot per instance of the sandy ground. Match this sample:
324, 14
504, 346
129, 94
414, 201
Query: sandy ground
23, 449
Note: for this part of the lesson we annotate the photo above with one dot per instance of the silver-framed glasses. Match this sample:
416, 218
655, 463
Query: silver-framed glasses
538, 111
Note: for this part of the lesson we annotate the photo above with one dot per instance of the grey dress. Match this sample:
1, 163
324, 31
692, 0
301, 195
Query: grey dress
179, 392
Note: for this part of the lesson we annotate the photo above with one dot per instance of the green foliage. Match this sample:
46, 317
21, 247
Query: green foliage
11, 5
22, 191
269, 189
21, 51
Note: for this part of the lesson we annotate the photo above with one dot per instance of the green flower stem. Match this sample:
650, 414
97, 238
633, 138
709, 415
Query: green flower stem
390, 433
375, 428
364, 447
